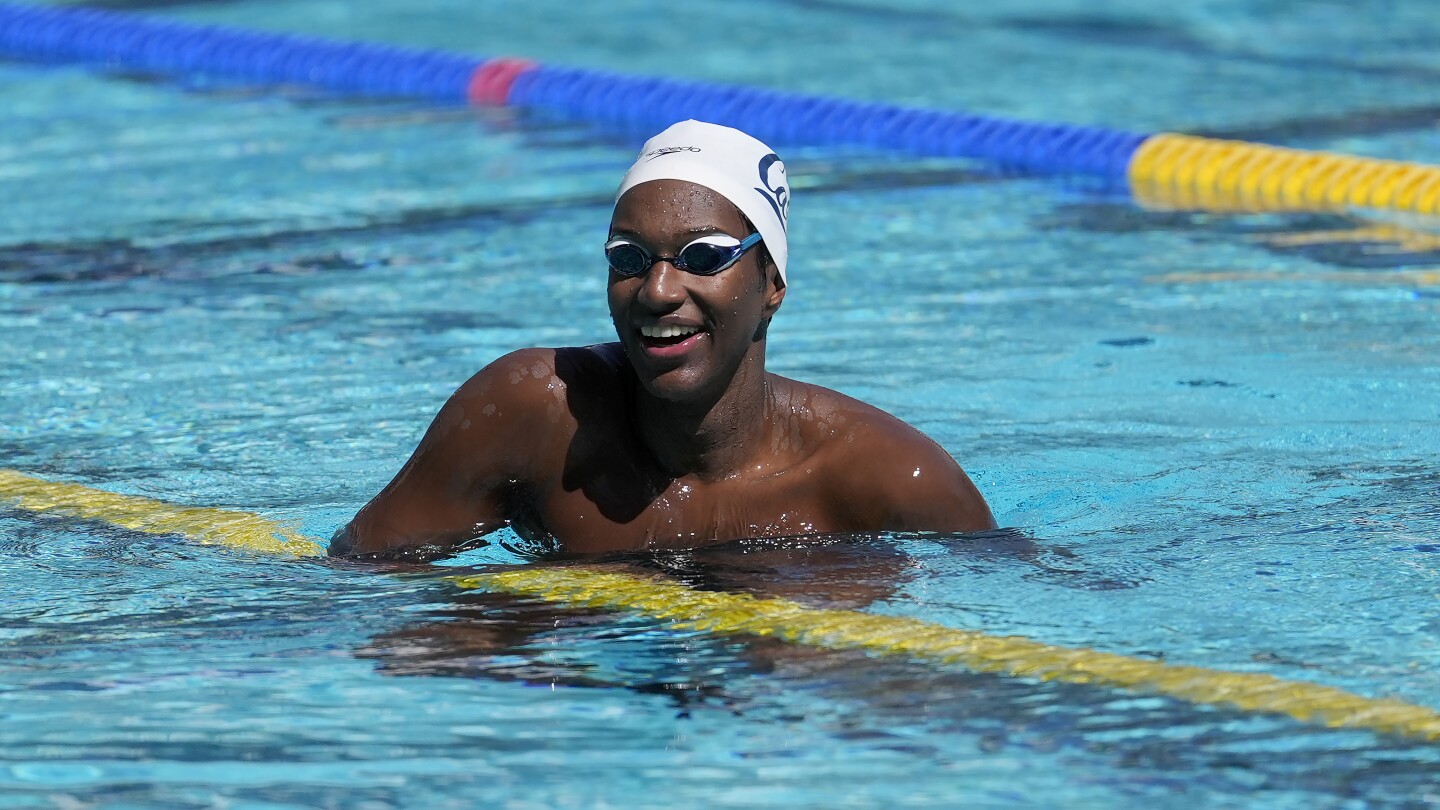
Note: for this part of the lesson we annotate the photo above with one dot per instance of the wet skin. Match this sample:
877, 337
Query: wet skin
664, 443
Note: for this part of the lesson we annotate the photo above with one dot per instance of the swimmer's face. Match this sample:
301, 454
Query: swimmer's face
718, 320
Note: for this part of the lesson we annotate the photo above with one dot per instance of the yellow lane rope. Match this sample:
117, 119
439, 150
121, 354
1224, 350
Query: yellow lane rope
727, 613
1186, 172
222, 527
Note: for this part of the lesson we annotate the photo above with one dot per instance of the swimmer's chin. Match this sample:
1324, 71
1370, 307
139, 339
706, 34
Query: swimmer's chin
679, 393
673, 383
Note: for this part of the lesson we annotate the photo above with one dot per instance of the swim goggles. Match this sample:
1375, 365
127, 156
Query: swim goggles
705, 256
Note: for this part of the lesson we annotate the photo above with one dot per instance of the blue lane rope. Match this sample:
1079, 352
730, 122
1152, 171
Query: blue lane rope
790, 118
1161, 170
109, 39
132, 42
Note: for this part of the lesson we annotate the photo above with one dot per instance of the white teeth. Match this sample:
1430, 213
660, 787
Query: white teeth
668, 331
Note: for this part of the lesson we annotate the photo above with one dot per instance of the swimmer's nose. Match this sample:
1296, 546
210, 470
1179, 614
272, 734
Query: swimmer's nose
662, 289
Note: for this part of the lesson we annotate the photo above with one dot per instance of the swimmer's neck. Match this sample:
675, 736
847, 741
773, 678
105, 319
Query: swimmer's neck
715, 436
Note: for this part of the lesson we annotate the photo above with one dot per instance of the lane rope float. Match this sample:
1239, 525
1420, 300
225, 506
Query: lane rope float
134, 42
742, 614
1186, 172
200, 524
1161, 170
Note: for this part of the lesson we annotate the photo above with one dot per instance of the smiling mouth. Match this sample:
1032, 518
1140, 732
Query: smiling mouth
660, 338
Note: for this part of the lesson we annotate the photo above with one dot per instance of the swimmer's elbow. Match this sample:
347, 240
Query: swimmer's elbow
342, 543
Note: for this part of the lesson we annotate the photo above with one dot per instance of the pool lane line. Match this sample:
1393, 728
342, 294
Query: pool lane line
913, 639
1384, 238
134, 42
742, 614
1185, 172
200, 524
1161, 170
157, 45
1400, 278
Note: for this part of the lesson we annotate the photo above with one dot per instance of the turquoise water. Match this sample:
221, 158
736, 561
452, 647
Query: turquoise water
1220, 430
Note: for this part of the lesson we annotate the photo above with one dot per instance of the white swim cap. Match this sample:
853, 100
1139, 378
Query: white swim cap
730, 163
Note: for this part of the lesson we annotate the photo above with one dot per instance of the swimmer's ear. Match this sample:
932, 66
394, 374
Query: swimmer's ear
774, 297
774, 290
770, 278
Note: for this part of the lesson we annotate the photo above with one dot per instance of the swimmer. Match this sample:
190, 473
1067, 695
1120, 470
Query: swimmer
675, 436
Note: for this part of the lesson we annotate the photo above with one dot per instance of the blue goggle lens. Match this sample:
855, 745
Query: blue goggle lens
700, 257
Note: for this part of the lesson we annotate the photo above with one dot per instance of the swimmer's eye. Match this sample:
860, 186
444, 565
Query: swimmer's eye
705, 256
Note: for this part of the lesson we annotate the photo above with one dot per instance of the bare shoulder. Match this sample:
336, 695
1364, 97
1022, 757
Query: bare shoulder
520, 378
509, 416
885, 473
536, 384
848, 427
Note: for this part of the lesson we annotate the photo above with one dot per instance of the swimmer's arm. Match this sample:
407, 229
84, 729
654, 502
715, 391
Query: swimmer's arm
451, 490
432, 501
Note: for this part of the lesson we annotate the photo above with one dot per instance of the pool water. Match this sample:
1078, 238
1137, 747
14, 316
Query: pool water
1220, 430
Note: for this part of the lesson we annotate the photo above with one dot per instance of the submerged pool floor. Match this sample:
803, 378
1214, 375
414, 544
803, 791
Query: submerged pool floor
1220, 429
